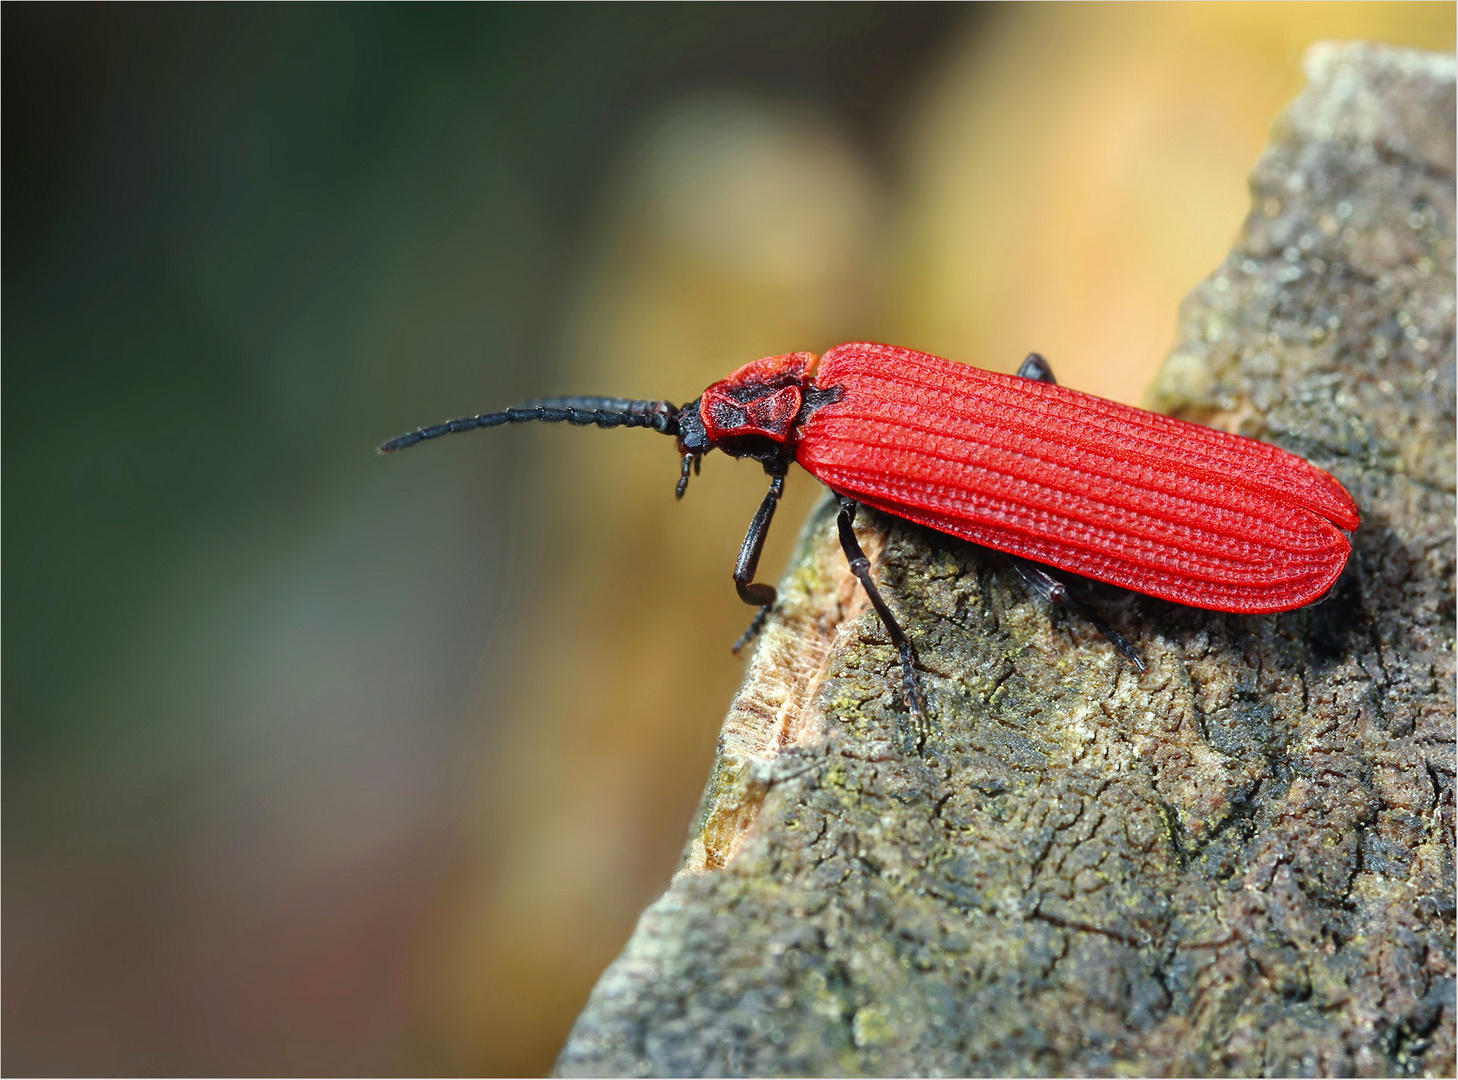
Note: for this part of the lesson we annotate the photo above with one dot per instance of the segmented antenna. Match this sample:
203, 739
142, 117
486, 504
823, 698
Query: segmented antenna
603, 412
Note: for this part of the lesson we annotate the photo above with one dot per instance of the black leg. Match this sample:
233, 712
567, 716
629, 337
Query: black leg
1055, 592
1035, 367
860, 566
1044, 583
749, 553
683, 475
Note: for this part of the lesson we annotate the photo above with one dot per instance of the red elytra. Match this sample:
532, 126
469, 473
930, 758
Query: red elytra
1020, 464
1115, 493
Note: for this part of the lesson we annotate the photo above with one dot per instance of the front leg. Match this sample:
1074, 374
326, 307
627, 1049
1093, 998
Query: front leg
750, 591
860, 566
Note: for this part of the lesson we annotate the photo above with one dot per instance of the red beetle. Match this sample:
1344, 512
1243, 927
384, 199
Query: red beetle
1017, 463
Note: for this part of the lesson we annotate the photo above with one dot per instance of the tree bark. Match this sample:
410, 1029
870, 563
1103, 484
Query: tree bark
1240, 862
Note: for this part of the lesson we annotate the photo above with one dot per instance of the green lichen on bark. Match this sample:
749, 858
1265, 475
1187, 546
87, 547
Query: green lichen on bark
1240, 862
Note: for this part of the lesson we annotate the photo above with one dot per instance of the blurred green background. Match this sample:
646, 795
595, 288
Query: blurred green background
316, 761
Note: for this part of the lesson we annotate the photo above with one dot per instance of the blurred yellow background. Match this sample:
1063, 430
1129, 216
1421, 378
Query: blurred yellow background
347, 764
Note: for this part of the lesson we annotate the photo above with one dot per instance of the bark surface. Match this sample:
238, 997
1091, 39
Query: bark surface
1240, 862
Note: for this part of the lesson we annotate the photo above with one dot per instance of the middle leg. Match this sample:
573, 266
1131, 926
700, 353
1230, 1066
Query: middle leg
1044, 583
860, 566
750, 591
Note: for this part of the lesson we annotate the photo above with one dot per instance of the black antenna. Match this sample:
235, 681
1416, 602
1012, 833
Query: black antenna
604, 412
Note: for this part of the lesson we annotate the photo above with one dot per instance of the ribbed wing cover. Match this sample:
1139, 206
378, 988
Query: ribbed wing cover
1130, 497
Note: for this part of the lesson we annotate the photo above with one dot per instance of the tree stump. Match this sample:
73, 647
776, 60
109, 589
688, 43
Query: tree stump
1240, 862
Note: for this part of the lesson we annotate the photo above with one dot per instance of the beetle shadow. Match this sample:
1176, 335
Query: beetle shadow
1375, 597
1330, 631
1322, 635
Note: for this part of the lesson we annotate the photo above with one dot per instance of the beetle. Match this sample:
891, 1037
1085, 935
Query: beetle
1044, 473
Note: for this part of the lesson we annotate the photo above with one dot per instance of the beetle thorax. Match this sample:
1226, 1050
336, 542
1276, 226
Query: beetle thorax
753, 412
736, 412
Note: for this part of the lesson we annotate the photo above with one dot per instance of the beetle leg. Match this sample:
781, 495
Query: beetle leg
1044, 583
1036, 368
751, 631
860, 566
750, 591
690, 461
1055, 592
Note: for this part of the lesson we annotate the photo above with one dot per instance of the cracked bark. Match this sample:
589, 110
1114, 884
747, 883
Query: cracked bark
1238, 863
